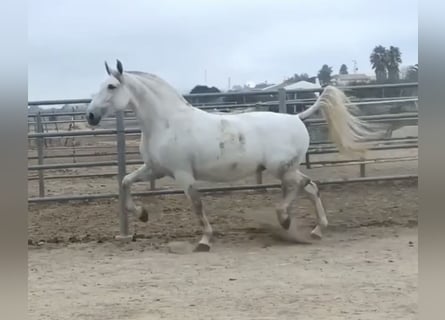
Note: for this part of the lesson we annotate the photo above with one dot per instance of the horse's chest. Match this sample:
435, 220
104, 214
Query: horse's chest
162, 148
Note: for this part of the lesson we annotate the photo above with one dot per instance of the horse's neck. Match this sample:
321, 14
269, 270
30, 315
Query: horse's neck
154, 106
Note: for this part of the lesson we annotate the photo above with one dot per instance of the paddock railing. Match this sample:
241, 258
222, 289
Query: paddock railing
284, 98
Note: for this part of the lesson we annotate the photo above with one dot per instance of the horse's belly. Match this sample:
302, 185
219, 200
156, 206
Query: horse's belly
220, 171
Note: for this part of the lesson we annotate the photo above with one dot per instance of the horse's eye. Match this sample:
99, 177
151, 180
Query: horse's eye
111, 86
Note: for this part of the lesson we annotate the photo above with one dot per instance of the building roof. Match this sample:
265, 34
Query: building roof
352, 77
296, 85
302, 85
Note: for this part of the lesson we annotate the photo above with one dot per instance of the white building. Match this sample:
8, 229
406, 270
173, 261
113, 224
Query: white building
348, 79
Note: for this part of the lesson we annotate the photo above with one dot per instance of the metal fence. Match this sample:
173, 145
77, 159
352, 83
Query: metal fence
120, 132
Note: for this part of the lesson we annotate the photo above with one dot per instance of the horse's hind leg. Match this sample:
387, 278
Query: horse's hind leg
195, 197
143, 173
312, 191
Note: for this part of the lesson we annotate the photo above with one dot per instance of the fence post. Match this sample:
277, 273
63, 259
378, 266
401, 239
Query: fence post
282, 108
121, 174
308, 160
362, 169
55, 121
259, 177
40, 155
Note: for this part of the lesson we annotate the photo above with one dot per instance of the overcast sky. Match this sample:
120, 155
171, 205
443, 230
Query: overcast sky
179, 40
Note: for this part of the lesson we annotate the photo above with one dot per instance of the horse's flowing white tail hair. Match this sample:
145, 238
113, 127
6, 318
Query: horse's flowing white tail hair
349, 133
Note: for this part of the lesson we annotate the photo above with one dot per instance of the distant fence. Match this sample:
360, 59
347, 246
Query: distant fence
284, 98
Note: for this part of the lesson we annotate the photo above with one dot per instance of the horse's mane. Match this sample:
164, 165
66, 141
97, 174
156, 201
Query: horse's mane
161, 81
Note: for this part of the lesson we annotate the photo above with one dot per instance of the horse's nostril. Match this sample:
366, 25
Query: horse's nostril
91, 116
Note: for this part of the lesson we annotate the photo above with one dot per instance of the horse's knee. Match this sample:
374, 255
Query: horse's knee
129, 205
195, 197
126, 181
324, 222
311, 187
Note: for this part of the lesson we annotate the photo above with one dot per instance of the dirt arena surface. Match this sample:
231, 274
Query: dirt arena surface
364, 268
363, 274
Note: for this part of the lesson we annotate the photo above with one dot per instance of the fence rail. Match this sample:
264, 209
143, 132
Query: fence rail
70, 153
313, 164
238, 93
213, 189
374, 118
212, 107
316, 147
312, 151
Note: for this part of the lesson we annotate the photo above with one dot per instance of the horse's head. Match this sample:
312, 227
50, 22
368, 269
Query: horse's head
112, 96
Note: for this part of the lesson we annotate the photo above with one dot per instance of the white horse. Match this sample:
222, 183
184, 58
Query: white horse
189, 144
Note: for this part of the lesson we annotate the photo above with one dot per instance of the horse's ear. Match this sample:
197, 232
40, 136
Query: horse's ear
119, 66
107, 68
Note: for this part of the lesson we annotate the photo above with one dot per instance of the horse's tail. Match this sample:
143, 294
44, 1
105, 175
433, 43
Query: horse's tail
347, 131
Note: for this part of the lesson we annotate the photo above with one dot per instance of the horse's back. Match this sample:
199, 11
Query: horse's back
274, 128
246, 142
284, 138
219, 147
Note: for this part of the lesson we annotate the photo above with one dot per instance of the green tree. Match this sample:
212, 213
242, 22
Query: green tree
325, 75
413, 73
297, 77
303, 77
204, 89
393, 60
378, 62
343, 69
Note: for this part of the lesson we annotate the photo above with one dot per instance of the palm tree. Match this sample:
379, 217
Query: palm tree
392, 63
378, 61
413, 73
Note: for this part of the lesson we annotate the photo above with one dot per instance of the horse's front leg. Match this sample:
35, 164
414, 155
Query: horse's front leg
143, 173
187, 181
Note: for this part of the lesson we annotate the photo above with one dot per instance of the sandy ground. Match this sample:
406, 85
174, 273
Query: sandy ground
365, 267
367, 273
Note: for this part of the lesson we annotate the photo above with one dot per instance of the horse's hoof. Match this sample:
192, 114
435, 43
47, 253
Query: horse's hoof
144, 215
202, 247
285, 223
316, 233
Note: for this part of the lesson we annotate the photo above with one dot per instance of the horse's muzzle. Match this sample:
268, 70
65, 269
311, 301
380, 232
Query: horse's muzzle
92, 119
